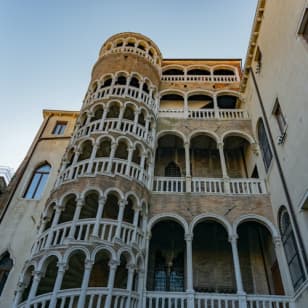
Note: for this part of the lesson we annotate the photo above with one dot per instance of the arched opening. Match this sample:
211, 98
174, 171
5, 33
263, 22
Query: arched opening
238, 157
120, 81
204, 157
107, 83
131, 43
27, 280
89, 209
111, 207
212, 259
120, 281
223, 72
114, 111
259, 266
137, 155
129, 113
69, 205
172, 102
145, 88
6, 264
98, 113
85, 150
166, 257
134, 82
291, 249
70, 157
100, 270
104, 148
50, 216
198, 72
228, 102
173, 71
141, 46
200, 101
122, 150
141, 118
129, 210
49, 276
74, 274
170, 150
119, 44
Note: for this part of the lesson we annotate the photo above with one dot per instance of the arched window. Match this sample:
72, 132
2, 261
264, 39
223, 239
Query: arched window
264, 145
38, 182
6, 264
290, 249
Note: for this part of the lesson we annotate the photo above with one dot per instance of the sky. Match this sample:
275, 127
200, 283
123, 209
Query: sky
48, 48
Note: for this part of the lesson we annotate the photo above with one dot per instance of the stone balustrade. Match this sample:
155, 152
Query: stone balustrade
201, 78
219, 186
207, 114
83, 232
123, 91
100, 166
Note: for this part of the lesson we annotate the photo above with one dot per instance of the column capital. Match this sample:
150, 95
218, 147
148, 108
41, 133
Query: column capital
189, 237
113, 264
122, 203
59, 208
102, 199
233, 238
62, 266
80, 202
220, 144
131, 267
88, 264
37, 274
277, 241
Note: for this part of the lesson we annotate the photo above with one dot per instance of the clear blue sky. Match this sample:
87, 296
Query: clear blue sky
49, 47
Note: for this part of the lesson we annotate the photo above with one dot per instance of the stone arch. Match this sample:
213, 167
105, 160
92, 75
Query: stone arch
41, 265
256, 218
116, 191
214, 217
173, 67
168, 216
208, 133
237, 133
201, 92
179, 134
72, 250
173, 91
112, 253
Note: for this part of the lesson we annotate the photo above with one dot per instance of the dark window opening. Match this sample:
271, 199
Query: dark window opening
59, 128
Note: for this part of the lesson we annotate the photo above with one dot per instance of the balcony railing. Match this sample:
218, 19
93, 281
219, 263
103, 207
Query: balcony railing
201, 78
95, 297
126, 126
124, 91
83, 232
208, 114
212, 300
99, 166
217, 186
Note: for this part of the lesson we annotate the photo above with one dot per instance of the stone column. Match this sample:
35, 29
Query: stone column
120, 118
185, 107
37, 275
236, 263
122, 204
127, 85
189, 264
112, 271
135, 223
146, 127
187, 167
19, 291
101, 204
75, 160
112, 152
216, 109
140, 89
85, 282
101, 124
129, 160
142, 170
140, 288
129, 287
92, 157
225, 176
80, 203
55, 221
147, 245
62, 267
136, 116
283, 264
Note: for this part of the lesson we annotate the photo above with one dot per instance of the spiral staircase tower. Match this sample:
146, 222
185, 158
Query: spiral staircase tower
90, 248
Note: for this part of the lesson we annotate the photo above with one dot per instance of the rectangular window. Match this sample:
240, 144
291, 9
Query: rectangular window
303, 28
281, 121
59, 128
